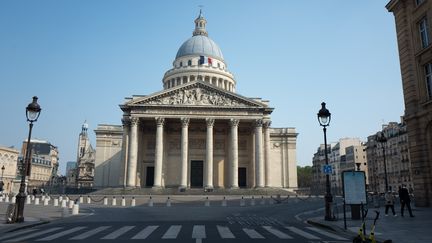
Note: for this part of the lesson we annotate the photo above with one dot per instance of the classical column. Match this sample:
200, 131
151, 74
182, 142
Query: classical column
133, 153
266, 125
259, 162
233, 169
125, 149
184, 151
208, 178
159, 152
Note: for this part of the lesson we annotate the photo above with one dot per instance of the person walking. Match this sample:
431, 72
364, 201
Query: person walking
390, 200
405, 199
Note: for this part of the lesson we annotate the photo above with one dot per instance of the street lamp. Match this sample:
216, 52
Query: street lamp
324, 118
32, 113
381, 138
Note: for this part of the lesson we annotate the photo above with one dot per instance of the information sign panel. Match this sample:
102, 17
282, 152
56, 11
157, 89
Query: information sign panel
354, 187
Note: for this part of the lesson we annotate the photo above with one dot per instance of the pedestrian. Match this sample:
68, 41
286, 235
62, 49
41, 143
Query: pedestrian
390, 200
405, 199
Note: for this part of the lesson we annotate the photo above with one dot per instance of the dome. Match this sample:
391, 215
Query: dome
200, 45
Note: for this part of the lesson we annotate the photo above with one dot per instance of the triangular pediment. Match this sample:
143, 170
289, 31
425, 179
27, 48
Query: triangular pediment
196, 93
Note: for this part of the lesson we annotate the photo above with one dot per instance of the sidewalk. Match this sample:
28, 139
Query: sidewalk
33, 215
398, 229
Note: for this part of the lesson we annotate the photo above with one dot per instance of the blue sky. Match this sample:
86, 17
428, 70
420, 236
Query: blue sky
81, 58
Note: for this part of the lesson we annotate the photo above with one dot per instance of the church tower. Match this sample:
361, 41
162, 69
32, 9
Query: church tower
85, 160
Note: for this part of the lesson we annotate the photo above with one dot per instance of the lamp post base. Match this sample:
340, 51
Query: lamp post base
20, 199
328, 207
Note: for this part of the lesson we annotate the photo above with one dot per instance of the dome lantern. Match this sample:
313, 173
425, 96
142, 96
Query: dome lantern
200, 24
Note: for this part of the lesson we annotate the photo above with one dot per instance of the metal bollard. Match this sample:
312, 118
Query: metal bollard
81, 199
150, 202
88, 200
168, 202
252, 203
75, 209
133, 202
63, 204
45, 202
105, 201
224, 202
207, 202
114, 201
123, 202
242, 202
37, 201
56, 202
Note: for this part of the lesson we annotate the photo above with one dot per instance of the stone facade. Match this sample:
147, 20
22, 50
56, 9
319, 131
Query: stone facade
44, 163
197, 132
8, 160
342, 157
413, 21
396, 156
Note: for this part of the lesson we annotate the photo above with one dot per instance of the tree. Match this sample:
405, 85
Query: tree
304, 176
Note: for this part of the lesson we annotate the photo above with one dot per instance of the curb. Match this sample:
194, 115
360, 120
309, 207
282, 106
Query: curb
336, 229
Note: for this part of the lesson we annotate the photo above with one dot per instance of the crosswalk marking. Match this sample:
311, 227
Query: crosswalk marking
172, 232
143, 234
253, 234
278, 233
117, 233
198, 232
34, 234
20, 232
334, 236
303, 233
62, 233
89, 233
225, 232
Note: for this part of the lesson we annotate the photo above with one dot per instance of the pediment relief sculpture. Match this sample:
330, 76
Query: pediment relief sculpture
197, 96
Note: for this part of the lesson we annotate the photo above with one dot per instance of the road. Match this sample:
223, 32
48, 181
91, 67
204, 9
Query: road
184, 222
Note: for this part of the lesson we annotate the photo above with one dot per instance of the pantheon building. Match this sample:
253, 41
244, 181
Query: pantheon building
197, 132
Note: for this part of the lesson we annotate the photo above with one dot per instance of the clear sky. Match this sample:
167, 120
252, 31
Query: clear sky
81, 58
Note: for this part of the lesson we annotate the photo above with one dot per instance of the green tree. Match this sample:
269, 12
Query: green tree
304, 176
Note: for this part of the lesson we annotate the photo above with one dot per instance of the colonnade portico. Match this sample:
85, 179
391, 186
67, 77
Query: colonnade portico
261, 149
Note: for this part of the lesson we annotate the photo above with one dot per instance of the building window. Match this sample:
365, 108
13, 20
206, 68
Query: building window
181, 64
424, 35
418, 2
189, 63
428, 76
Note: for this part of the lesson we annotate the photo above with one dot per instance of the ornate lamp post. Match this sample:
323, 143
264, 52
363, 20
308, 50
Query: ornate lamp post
32, 112
324, 118
381, 138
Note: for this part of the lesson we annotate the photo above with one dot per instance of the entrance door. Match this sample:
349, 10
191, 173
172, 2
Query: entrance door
150, 176
196, 174
242, 177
